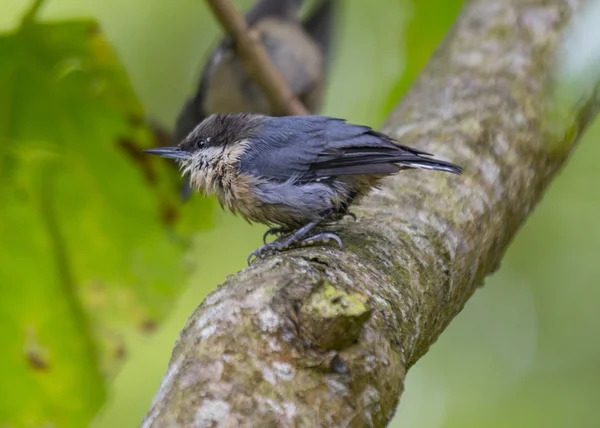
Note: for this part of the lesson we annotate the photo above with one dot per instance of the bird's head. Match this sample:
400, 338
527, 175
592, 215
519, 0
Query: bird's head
212, 141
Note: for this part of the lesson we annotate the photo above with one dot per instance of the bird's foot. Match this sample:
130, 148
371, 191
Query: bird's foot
293, 241
321, 238
279, 231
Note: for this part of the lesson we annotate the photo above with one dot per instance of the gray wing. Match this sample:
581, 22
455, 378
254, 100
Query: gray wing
308, 148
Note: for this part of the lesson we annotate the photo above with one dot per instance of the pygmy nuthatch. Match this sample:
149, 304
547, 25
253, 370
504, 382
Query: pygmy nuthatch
293, 172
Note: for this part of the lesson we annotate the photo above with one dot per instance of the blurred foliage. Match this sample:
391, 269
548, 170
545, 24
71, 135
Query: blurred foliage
523, 352
86, 249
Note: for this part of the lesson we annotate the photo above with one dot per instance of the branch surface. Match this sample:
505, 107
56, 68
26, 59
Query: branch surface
321, 337
256, 60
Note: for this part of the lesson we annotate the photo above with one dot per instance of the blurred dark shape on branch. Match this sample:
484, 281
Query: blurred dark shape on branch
285, 74
298, 52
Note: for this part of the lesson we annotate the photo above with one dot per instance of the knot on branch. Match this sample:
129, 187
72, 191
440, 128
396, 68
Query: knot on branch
332, 319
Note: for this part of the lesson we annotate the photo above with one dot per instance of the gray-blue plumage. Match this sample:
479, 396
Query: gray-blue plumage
311, 148
295, 171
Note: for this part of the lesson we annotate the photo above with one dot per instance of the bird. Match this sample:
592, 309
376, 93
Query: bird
291, 173
300, 50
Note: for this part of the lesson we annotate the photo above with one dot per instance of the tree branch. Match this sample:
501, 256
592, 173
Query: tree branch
255, 59
321, 337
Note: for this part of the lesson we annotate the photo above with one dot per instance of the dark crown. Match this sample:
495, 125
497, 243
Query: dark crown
222, 130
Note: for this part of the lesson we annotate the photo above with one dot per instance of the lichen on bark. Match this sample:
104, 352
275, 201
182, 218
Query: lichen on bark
323, 337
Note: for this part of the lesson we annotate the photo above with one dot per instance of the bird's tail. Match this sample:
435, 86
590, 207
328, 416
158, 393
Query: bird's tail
432, 164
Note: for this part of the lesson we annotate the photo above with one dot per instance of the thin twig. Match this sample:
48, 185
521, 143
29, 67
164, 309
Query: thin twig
255, 58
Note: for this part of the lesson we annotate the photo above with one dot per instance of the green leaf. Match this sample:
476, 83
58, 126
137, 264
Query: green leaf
87, 225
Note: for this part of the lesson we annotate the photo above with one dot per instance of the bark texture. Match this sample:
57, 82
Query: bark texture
321, 337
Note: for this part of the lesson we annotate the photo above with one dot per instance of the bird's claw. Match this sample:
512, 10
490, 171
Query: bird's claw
270, 248
291, 242
257, 254
265, 250
273, 231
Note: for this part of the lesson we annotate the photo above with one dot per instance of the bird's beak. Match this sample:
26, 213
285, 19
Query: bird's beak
169, 152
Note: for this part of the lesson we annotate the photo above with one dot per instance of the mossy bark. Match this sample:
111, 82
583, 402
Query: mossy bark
321, 337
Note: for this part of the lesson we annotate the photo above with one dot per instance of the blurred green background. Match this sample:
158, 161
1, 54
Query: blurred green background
524, 352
